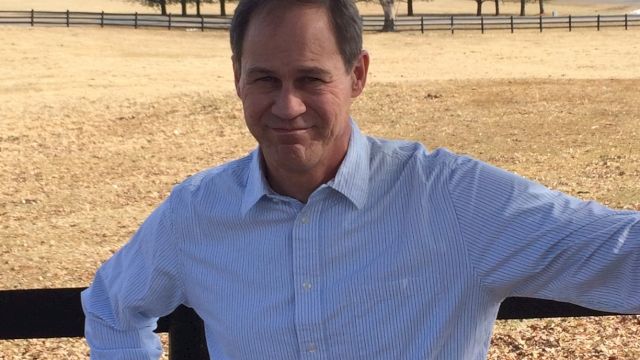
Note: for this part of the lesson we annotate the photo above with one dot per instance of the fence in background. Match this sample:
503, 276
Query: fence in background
425, 23
57, 313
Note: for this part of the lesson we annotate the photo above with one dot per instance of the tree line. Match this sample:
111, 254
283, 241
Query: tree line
388, 7
497, 3
162, 5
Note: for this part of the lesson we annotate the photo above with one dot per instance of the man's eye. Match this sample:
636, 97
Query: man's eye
265, 79
311, 79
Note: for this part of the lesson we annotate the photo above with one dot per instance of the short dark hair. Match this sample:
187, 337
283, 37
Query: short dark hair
343, 14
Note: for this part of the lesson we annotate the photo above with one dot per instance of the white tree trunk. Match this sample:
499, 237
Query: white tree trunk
389, 15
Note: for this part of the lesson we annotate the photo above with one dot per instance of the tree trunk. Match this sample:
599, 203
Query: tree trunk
479, 7
223, 11
183, 4
541, 7
389, 16
163, 7
410, 7
522, 7
497, 7
198, 7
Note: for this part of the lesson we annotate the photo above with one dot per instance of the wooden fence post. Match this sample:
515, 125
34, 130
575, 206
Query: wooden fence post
512, 24
570, 27
482, 24
598, 22
422, 24
102, 19
169, 21
186, 336
540, 23
135, 21
31, 17
67, 18
452, 24
625, 21
201, 23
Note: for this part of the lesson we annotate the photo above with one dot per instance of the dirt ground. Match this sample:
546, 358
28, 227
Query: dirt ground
97, 125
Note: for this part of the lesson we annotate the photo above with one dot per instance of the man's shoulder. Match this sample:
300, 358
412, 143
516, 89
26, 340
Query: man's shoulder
230, 177
406, 151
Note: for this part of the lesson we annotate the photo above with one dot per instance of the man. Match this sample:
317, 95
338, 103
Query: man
327, 244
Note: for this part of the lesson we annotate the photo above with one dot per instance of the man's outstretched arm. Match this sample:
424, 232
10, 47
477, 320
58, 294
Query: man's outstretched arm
131, 290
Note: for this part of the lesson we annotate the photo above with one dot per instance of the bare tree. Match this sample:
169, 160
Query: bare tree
163, 7
389, 15
522, 7
541, 6
479, 7
183, 7
410, 7
497, 7
162, 4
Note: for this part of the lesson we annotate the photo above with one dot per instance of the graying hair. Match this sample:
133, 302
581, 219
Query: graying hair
344, 16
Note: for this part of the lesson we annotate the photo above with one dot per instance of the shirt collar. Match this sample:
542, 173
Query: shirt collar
351, 180
257, 185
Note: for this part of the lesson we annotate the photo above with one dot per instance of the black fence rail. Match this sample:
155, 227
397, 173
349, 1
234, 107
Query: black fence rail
424, 23
102, 19
57, 313
512, 23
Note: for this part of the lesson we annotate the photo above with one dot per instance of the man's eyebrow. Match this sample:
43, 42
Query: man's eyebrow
314, 71
308, 70
258, 70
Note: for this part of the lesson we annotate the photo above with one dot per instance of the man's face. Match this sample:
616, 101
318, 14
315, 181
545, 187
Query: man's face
295, 90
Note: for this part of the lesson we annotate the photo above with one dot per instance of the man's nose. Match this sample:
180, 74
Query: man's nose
288, 104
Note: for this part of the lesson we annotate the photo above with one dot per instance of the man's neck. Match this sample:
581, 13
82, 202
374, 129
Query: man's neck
298, 185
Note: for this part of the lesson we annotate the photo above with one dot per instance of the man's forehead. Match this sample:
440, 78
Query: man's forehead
301, 36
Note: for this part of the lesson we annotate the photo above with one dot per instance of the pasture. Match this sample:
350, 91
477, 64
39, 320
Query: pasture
97, 125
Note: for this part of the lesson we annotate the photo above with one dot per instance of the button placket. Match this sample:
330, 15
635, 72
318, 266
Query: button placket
306, 268
304, 218
306, 286
311, 347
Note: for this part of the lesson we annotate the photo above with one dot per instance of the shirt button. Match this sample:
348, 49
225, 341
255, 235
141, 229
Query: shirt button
306, 285
304, 220
311, 348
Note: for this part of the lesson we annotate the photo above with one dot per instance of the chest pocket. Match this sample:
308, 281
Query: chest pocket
383, 320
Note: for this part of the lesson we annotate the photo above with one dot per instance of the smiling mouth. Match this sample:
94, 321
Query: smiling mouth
288, 131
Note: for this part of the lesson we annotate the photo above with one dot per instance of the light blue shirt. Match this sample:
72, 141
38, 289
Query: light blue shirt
405, 254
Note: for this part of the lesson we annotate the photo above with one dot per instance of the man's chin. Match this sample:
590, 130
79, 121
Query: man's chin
291, 157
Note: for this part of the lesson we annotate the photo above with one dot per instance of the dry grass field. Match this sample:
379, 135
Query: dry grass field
97, 125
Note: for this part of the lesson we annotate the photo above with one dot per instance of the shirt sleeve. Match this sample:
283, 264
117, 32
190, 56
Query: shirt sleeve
139, 284
526, 240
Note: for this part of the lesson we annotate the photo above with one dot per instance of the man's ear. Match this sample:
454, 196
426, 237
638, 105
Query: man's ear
236, 74
359, 74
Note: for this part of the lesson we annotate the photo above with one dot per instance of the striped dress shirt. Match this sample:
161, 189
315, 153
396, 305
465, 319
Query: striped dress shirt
405, 254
